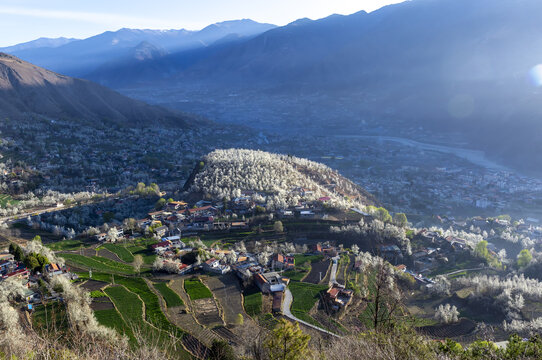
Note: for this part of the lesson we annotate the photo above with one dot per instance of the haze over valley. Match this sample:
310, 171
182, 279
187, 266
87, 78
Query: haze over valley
365, 185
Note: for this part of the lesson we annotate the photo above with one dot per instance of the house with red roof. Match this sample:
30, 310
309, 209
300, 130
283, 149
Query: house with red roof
282, 262
338, 297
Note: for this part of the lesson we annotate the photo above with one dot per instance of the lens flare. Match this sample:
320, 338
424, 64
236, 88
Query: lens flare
536, 75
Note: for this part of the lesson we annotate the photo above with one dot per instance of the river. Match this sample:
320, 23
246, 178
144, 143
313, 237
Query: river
476, 157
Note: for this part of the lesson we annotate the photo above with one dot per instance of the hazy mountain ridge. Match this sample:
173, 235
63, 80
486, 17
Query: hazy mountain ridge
38, 43
81, 57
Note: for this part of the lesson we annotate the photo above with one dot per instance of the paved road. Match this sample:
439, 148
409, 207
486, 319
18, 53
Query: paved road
461, 270
333, 275
287, 303
31, 213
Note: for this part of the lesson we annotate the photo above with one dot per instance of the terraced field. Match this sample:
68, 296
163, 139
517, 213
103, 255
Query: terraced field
186, 320
170, 297
305, 296
227, 291
6, 199
253, 301
196, 347
49, 317
142, 316
112, 319
346, 264
129, 305
98, 263
196, 289
207, 313
444, 331
101, 303
143, 250
153, 313
96, 275
66, 245
318, 269
121, 251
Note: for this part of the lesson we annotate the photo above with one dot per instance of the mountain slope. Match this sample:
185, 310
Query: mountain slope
81, 57
26, 89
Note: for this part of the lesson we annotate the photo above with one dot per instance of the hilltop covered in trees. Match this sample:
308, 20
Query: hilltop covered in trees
279, 180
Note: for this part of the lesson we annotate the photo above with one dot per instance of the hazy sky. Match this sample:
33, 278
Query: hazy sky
24, 20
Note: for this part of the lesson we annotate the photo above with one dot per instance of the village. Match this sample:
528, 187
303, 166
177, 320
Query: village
216, 257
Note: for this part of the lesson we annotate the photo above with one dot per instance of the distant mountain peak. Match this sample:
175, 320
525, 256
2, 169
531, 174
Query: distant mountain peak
301, 21
145, 51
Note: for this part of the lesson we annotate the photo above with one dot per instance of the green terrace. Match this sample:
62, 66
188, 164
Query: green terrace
196, 289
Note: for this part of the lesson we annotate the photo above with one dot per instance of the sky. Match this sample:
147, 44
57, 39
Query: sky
25, 20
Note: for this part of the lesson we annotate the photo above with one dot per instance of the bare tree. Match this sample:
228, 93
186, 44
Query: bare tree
138, 261
384, 297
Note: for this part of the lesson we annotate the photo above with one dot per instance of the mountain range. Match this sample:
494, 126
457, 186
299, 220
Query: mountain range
81, 57
458, 68
27, 90
455, 67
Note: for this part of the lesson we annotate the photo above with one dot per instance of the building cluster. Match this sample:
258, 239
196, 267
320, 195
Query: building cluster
13, 269
10, 268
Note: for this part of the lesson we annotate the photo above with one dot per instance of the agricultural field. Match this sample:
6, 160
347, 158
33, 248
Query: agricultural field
296, 275
130, 306
98, 276
66, 245
300, 260
303, 266
96, 294
112, 319
153, 312
445, 331
120, 250
253, 301
144, 251
227, 292
50, 317
305, 296
6, 199
345, 265
170, 296
196, 289
318, 271
98, 263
